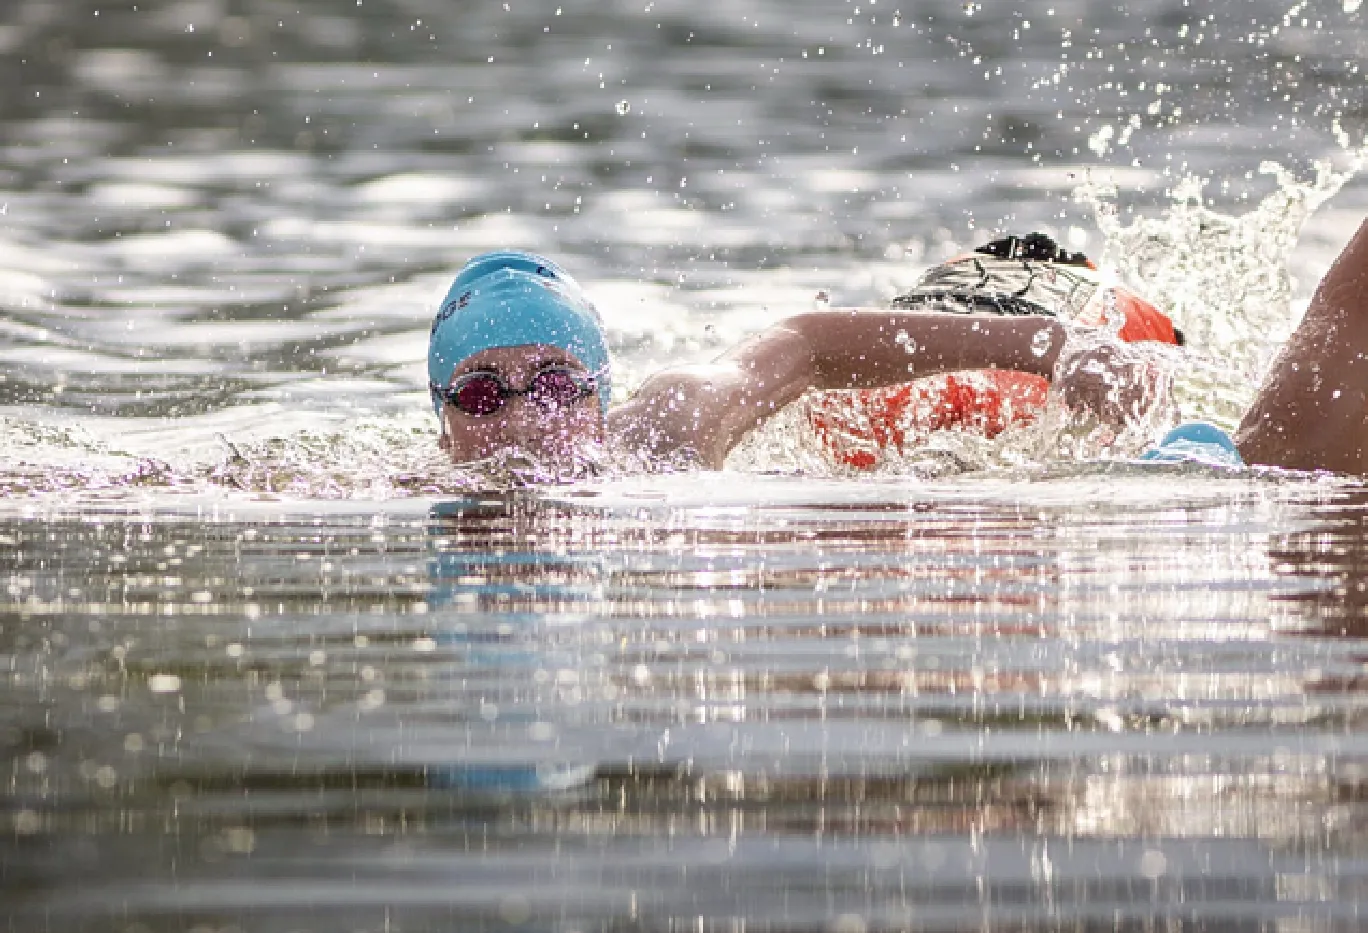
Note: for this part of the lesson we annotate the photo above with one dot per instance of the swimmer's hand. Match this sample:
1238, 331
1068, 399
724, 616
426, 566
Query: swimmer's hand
1113, 382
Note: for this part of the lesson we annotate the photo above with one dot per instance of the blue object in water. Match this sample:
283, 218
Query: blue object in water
512, 299
1196, 442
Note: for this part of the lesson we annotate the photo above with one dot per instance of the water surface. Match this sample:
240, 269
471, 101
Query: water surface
1071, 701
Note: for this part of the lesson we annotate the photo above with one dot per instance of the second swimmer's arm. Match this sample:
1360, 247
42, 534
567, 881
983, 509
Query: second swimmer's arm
709, 408
1311, 412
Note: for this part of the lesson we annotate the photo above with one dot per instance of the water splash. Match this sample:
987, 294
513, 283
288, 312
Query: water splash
48, 458
1108, 400
786, 444
1222, 278
364, 460
368, 459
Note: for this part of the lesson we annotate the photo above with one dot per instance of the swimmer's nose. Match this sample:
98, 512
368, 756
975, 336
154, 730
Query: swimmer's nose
529, 424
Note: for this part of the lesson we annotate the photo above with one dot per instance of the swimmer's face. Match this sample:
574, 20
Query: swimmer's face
534, 423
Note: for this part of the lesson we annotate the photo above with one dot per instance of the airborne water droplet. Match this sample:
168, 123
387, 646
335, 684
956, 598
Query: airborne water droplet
1041, 342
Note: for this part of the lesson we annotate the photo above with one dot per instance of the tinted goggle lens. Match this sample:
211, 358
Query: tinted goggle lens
484, 393
556, 387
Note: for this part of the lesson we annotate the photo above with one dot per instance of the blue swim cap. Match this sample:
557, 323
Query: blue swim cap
511, 299
1196, 441
485, 263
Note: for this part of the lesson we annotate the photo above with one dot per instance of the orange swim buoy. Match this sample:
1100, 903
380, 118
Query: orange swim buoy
1013, 276
859, 427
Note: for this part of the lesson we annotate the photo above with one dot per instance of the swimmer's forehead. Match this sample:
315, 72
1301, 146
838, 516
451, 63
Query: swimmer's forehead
508, 359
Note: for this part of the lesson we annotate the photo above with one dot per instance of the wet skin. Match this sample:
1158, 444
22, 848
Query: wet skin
1311, 412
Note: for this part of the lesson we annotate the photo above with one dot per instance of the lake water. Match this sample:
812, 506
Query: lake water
267, 664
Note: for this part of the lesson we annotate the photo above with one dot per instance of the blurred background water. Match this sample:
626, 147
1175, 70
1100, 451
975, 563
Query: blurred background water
263, 666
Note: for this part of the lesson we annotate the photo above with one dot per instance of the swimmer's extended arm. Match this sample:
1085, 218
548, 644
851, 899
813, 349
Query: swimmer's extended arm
1311, 412
709, 408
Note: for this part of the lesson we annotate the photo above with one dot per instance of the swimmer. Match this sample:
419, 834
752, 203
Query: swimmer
517, 360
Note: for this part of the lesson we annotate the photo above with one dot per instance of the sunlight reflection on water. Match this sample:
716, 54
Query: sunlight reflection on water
1028, 699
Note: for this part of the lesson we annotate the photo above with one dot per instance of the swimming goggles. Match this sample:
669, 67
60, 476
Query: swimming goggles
483, 392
